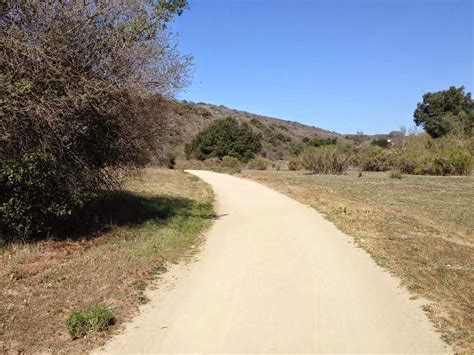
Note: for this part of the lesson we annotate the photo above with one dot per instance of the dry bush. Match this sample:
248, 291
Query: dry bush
279, 165
420, 155
75, 84
212, 163
449, 155
376, 158
295, 164
324, 160
231, 162
189, 164
259, 164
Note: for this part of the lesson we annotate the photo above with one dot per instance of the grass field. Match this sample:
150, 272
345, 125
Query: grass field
159, 220
420, 228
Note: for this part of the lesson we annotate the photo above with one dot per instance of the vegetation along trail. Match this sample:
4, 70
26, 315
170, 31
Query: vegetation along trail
275, 276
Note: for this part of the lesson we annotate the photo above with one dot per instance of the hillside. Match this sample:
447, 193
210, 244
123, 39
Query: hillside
280, 137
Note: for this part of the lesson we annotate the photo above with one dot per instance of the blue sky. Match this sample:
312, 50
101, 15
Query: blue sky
342, 65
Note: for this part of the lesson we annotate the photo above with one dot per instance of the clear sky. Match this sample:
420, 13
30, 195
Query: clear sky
342, 65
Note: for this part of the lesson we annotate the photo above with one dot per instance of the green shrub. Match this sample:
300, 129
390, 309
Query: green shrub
230, 162
297, 148
375, 158
259, 164
76, 325
381, 142
283, 138
225, 137
320, 142
95, 318
423, 155
257, 123
34, 194
295, 164
324, 160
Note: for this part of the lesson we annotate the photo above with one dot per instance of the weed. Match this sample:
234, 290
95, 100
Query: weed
94, 318
139, 285
415, 287
142, 298
156, 270
193, 178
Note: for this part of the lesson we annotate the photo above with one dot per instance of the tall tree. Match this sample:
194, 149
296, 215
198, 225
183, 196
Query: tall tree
75, 80
447, 111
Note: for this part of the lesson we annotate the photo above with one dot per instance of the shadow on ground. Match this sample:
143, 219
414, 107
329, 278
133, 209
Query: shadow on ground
126, 209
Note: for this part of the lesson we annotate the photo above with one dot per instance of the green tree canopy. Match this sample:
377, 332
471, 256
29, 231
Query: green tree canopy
225, 137
447, 111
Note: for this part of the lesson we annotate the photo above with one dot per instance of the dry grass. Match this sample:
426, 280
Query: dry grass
418, 227
42, 283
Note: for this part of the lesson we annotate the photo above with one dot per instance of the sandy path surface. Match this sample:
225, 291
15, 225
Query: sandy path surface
275, 276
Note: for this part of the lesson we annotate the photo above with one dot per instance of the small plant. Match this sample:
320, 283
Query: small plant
139, 285
415, 287
94, 318
157, 270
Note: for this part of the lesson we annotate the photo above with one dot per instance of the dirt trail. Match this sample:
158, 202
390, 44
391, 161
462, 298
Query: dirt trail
275, 276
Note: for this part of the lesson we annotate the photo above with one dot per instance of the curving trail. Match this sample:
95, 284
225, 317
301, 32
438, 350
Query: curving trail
275, 276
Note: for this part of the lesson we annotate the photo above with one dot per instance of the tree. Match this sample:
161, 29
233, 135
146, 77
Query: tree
447, 111
76, 79
225, 137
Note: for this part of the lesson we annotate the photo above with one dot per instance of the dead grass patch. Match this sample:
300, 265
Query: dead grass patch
160, 220
419, 227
